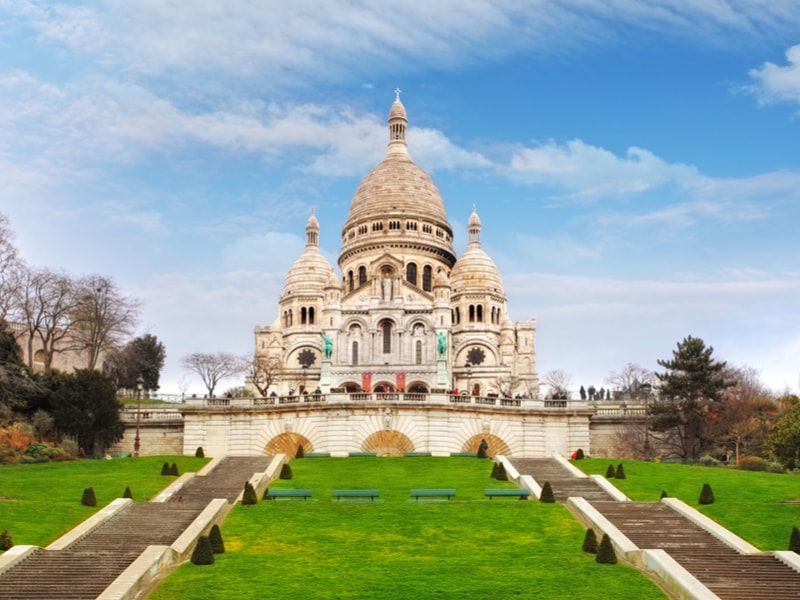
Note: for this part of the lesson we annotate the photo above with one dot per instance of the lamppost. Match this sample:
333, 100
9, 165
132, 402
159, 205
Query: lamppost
646, 391
137, 439
469, 378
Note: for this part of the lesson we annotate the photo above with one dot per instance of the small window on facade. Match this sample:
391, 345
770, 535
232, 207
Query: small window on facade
480, 313
419, 352
411, 273
311, 315
471, 313
354, 358
387, 337
362, 275
427, 275
350, 283
303, 316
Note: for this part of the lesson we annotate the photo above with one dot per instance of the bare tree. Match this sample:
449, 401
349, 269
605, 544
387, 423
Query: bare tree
212, 367
10, 268
559, 382
632, 381
103, 317
262, 371
45, 303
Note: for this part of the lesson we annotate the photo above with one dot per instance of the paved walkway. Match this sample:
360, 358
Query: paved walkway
654, 525
85, 569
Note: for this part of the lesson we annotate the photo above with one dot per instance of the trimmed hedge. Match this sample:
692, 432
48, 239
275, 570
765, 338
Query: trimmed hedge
605, 552
165, 469
199, 452
127, 493
286, 471
89, 498
203, 554
547, 493
794, 540
301, 453
249, 496
706, 495
6, 542
173, 470
215, 539
590, 541
620, 474
610, 472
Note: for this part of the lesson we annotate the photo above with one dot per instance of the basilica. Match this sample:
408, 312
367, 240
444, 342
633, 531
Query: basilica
403, 313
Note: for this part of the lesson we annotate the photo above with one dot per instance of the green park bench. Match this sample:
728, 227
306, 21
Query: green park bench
432, 495
292, 494
416, 454
356, 496
472, 454
318, 455
362, 454
520, 493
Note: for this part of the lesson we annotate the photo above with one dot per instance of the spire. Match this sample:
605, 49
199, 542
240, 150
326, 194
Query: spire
312, 231
398, 122
474, 228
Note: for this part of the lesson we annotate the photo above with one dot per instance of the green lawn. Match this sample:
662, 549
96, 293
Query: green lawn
469, 547
41, 502
753, 505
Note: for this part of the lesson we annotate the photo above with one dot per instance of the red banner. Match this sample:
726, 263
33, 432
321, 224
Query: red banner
401, 382
366, 382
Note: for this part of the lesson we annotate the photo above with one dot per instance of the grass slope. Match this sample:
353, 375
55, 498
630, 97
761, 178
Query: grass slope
469, 547
755, 506
41, 502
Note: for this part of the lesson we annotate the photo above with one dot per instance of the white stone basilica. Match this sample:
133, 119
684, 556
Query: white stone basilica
406, 315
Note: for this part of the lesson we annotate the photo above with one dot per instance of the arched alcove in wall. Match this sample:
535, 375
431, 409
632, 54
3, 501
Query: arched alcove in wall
288, 443
496, 444
387, 442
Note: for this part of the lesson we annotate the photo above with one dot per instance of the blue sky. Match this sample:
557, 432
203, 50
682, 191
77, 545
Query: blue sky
635, 164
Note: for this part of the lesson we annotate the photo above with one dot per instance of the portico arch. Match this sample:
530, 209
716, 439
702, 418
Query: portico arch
288, 443
496, 444
388, 442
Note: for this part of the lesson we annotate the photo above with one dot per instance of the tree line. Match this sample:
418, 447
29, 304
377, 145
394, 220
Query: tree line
87, 322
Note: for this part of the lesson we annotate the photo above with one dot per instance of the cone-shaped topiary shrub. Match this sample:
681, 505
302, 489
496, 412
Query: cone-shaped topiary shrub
500, 473
620, 474
664, 494
590, 541
301, 453
706, 495
127, 493
249, 496
605, 552
494, 471
199, 452
6, 542
88, 497
794, 540
165, 469
579, 454
203, 554
610, 472
215, 538
173, 470
286, 471
547, 493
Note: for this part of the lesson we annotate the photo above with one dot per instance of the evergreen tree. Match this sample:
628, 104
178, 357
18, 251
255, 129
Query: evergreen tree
610, 472
794, 540
215, 538
88, 498
249, 496
691, 389
127, 493
286, 471
301, 453
5, 541
173, 470
203, 554
590, 541
664, 494
706, 495
547, 493
784, 439
620, 474
605, 552
199, 452
165, 469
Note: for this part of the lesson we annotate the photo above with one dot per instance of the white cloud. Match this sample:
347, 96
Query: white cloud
775, 83
590, 171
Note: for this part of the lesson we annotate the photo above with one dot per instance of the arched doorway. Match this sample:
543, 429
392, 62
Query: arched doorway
496, 444
288, 443
388, 442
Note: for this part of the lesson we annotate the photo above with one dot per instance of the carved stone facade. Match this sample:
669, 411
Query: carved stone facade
405, 314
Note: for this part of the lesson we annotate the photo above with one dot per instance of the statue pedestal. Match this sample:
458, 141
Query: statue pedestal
442, 376
325, 377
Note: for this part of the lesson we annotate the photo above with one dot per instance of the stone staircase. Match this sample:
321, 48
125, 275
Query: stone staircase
564, 483
721, 569
654, 525
85, 569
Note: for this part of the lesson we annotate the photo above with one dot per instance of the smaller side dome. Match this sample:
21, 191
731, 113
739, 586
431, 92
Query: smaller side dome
311, 271
474, 271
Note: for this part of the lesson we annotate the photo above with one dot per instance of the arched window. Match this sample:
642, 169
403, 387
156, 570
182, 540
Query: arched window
354, 356
411, 273
350, 283
427, 273
310, 315
419, 352
480, 313
291, 320
471, 313
303, 315
362, 275
387, 337
458, 315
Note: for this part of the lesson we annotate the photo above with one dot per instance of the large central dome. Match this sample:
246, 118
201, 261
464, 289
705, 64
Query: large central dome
397, 185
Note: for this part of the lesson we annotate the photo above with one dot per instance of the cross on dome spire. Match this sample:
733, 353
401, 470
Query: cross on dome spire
397, 93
